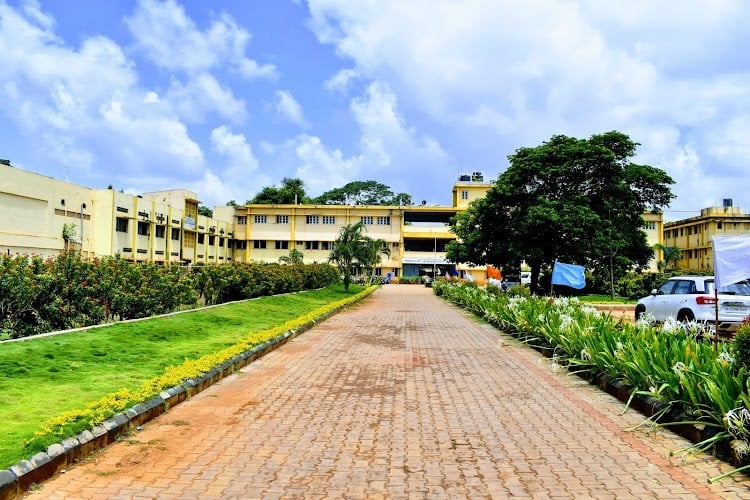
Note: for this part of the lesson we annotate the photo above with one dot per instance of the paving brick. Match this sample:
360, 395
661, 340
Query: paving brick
401, 396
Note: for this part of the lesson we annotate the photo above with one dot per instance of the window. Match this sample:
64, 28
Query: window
311, 245
221, 241
161, 231
211, 240
282, 219
143, 228
313, 219
329, 219
121, 225
464, 195
282, 245
394, 245
718, 225
259, 243
326, 245
384, 220
649, 225
260, 219
240, 244
367, 219
201, 239
241, 220
175, 234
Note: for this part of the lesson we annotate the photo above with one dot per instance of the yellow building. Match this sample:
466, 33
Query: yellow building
653, 226
416, 235
693, 235
42, 215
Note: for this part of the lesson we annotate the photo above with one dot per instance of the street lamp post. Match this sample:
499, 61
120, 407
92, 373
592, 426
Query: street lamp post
434, 256
83, 207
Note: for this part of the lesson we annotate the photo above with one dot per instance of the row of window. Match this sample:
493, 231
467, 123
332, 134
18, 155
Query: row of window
697, 228
309, 245
382, 220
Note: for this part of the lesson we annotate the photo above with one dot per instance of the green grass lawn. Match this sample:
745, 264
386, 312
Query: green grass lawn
43, 377
606, 299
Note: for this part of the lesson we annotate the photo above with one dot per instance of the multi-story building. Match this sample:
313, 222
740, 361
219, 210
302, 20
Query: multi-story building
693, 235
42, 215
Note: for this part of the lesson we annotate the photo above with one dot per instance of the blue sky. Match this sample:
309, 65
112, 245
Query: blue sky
228, 96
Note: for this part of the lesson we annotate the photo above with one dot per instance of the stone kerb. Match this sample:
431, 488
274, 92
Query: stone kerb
20, 477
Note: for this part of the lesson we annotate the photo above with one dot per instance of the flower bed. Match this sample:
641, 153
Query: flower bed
672, 370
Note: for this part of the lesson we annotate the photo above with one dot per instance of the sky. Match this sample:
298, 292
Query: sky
228, 96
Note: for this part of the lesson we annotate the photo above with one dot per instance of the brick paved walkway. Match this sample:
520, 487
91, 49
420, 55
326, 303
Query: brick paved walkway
402, 396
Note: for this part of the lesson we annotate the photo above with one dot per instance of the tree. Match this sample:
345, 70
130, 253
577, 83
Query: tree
292, 191
205, 211
575, 200
349, 248
362, 193
670, 257
374, 249
295, 257
232, 203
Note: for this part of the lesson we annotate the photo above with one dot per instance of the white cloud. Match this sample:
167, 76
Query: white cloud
235, 148
322, 168
86, 103
341, 80
201, 95
169, 38
288, 108
165, 138
514, 72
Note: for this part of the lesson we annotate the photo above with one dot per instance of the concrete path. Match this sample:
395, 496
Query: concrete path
402, 396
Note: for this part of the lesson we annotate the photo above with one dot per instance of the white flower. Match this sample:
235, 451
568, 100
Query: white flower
740, 447
585, 354
679, 368
738, 422
725, 357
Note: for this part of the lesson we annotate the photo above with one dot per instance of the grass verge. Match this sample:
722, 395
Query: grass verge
45, 378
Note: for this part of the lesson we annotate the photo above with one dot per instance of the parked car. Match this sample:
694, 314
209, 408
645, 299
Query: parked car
525, 277
692, 298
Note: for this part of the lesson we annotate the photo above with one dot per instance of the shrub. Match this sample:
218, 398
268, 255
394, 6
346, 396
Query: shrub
741, 345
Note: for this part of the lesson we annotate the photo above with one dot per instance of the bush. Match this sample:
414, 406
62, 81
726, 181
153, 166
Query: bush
741, 345
38, 295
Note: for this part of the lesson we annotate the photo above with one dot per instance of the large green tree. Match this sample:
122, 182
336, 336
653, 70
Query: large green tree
291, 191
362, 193
576, 200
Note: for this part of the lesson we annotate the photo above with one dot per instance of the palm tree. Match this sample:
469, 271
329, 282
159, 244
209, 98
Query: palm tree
374, 250
294, 257
670, 256
349, 248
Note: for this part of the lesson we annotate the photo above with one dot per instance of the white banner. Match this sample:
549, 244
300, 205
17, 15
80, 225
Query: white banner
731, 259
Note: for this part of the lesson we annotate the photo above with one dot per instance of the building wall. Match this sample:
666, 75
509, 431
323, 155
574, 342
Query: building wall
693, 235
164, 226
104, 222
653, 226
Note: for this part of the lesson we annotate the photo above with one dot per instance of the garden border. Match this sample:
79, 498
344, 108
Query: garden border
20, 477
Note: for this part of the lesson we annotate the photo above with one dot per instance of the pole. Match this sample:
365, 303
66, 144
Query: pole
716, 317
434, 256
83, 205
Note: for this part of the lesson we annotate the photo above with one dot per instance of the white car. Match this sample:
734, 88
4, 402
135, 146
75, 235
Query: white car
525, 277
692, 298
